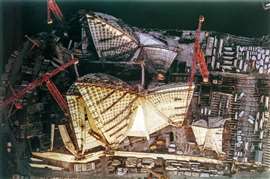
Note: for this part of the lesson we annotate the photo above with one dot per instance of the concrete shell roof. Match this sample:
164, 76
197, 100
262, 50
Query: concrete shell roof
115, 110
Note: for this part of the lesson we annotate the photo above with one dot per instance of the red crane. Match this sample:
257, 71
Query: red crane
198, 56
53, 8
50, 85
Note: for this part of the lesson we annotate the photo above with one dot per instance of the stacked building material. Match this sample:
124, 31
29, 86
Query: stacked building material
227, 58
211, 52
237, 55
254, 59
246, 114
221, 104
262, 126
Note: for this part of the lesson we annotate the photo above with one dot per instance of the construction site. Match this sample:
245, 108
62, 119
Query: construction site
106, 99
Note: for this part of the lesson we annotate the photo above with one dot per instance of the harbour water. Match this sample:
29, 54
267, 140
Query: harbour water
239, 18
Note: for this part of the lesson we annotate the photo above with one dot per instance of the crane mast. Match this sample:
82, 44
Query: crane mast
198, 56
53, 8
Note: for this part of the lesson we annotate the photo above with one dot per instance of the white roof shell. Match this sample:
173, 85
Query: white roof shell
213, 139
147, 120
200, 134
115, 110
146, 39
110, 39
209, 138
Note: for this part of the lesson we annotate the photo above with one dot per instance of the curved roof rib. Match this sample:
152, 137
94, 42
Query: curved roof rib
158, 58
115, 110
172, 100
79, 118
110, 102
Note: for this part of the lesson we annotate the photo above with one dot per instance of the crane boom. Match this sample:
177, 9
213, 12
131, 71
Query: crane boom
53, 8
198, 56
51, 87
57, 96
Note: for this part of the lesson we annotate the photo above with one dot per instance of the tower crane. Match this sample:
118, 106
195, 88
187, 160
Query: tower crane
198, 56
44, 79
52, 8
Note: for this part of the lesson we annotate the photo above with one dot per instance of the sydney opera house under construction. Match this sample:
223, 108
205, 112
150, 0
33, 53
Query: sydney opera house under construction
116, 100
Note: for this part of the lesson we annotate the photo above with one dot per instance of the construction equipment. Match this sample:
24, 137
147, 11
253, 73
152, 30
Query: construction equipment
17, 104
198, 56
34, 42
55, 10
50, 85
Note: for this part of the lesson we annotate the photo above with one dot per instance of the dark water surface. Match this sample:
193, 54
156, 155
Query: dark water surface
239, 18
